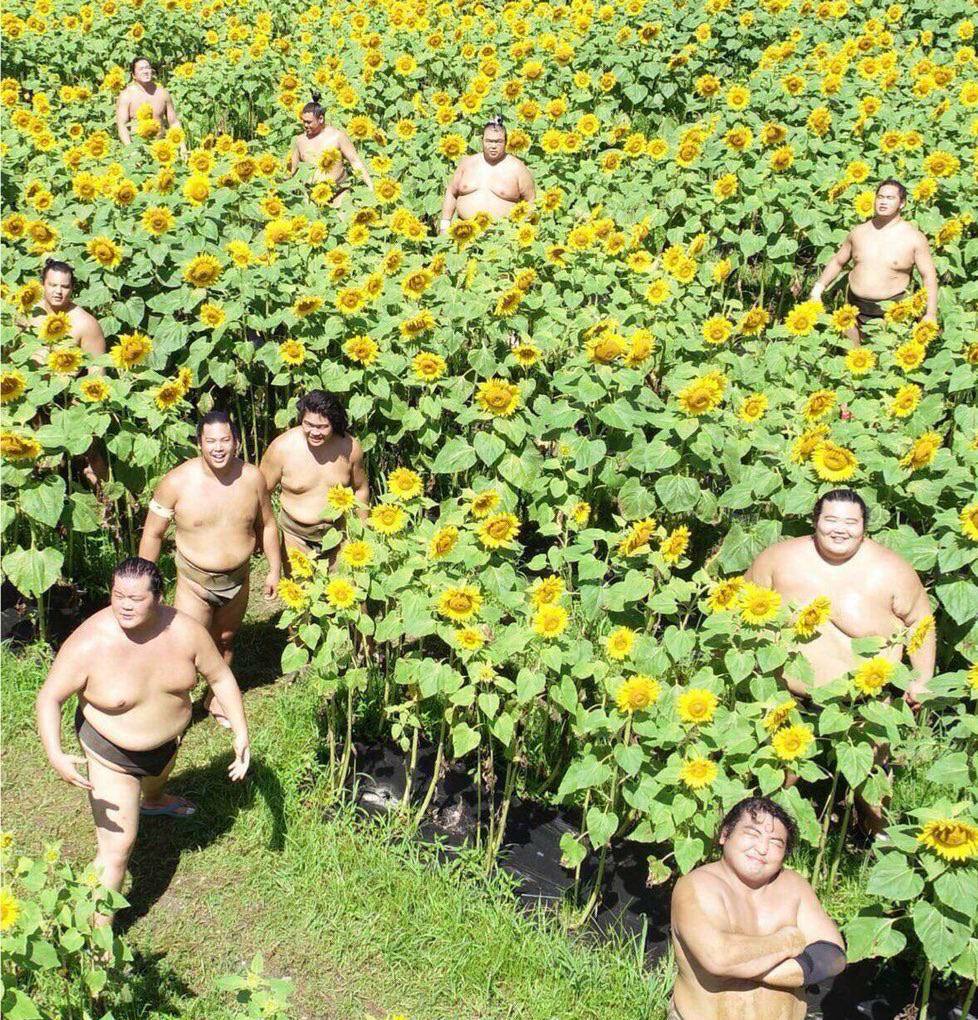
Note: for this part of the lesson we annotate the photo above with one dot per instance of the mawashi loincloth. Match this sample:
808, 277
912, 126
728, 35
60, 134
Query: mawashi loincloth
868, 308
311, 534
220, 586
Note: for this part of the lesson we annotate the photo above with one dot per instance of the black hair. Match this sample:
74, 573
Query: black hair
495, 121
218, 417
893, 183
56, 266
313, 107
840, 496
321, 402
136, 566
135, 61
756, 806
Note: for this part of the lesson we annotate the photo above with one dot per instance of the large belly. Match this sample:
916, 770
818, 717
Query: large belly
152, 721
218, 547
878, 281
482, 200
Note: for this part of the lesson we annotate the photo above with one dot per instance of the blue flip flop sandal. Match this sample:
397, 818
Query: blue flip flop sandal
179, 807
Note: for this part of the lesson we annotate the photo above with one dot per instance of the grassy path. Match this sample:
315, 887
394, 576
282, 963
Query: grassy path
362, 920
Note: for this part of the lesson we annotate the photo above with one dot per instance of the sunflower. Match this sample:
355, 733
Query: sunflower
546, 590
299, 563
873, 675
919, 634
637, 693
910, 355
778, 716
211, 315
753, 408
498, 530
12, 386
168, 394
834, 463
293, 594
525, 354
703, 395
340, 593
498, 397
202, 271
64, 360
657, 292
131, 350
361, 349
904, 401
443, 542
580, 512
951, 838
819, 404
674, 545
469, 639
697, 705
968, 520
14, 446
357, 554
813, 616
758, 605
923, 451
105, 252
388, 518
350, 300
404, 484
791, 742
340, 498
860, 360
717, 330
292, 352
306, 305
697, 772
54, 327
9, 909
550, 621
157, 220
723, 595
618, 644
754, 322
197, 189
94, 390
459, 603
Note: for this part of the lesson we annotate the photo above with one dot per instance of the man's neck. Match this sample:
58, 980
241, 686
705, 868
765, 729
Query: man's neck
225, 475
738, 883
64, 309
831, 558
879, 222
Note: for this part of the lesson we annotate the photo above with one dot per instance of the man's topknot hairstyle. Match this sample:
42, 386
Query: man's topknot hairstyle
56, 266
495, 121
756, 807
136, 566
325, 404
314, 107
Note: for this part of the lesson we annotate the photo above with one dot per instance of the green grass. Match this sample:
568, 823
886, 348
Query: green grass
362, 918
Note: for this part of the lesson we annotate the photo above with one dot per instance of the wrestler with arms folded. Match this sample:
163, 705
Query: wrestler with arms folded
749, 934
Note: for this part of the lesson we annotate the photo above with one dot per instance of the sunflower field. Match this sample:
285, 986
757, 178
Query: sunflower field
581, 423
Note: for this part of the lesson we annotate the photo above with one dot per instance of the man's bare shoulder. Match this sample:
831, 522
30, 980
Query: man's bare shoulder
250, 475
704, 883
95, 630
84, 319
886, 560
182, 472
516, 162
183, 628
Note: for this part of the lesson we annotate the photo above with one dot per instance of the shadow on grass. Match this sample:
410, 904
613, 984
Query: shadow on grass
155, 990
258, 653
162, 841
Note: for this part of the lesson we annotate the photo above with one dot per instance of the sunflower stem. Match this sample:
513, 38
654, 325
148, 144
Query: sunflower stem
969, 998
430, 793
837, 855
409, 772
826, 821
925, 992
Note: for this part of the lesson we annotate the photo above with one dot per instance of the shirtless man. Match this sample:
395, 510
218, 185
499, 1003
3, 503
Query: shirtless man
873, 592
883, 251
749, 935
490, 181
307, 461
217, 503
142, 91
318, 138
133, 666
58, 282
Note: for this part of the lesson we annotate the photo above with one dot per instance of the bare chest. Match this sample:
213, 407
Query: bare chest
154, 101
500, 180
304, 473
860, 605
893, 253
311, 149
204, 505
130, 676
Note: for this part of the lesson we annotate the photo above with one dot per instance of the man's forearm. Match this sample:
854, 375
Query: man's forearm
271, 547
751, 956
150, 545
930, 284
228, 695
49, 726
787, 974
